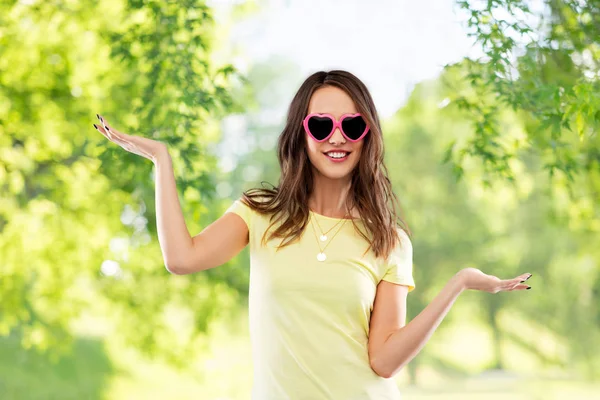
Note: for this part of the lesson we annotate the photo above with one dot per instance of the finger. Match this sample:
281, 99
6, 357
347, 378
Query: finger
135, 142
103, 131
127, 145
520, 286
524, 277
516, 282
101, 118
519, 279
106, 125
99, 129
112, 133
128, 142
509, 284
123, 137
103, 122
112, 137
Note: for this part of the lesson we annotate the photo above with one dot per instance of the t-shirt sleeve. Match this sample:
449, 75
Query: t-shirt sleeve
241, 209
399, 265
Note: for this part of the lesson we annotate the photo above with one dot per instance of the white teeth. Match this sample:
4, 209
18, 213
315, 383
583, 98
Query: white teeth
337, 155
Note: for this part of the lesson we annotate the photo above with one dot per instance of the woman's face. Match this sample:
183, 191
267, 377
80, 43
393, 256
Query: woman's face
334, 101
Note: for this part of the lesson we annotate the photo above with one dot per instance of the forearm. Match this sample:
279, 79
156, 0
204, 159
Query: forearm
173, 235
404, 344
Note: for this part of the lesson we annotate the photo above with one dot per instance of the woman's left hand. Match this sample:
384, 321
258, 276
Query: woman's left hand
472, 278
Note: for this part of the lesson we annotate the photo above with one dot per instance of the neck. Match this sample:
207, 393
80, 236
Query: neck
329, 196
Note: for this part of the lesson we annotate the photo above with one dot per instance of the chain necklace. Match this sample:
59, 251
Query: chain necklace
321, 256
323, 236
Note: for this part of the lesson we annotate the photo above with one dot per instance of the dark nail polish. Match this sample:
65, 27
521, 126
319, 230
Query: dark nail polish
106, 127
95, 126
529, 288
98, 116
524, 281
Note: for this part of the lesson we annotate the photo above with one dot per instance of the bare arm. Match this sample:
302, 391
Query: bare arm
214, 246
393, 348
173, 235
182, 254
404, 344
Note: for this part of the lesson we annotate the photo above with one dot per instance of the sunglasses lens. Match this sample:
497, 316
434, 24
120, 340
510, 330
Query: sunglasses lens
320, 127
354, 127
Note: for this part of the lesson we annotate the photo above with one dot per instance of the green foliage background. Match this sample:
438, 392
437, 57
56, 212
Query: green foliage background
496, 163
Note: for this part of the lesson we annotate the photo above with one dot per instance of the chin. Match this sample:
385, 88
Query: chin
335, 173
332, 170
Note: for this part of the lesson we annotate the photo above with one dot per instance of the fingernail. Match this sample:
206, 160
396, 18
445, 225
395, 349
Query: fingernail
526, 278
98, 116
95, 126
529, 287
106, 127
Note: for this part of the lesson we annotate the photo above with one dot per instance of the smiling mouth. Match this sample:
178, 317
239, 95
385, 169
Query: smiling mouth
337, 156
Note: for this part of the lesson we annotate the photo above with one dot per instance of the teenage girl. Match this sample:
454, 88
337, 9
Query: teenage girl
330, 261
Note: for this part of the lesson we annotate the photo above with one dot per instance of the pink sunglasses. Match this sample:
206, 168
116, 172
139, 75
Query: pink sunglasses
321, 126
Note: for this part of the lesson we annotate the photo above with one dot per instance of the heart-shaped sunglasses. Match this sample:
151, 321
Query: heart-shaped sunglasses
321, 126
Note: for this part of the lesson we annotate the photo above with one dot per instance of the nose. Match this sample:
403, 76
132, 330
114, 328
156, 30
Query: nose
337, 137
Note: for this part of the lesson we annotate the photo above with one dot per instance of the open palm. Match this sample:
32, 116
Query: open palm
478, 280
141, 146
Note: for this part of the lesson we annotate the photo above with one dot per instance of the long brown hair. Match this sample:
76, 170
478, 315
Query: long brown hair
370, 190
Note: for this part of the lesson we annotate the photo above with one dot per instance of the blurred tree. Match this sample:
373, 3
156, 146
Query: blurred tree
67, 195
543, 64
500, 226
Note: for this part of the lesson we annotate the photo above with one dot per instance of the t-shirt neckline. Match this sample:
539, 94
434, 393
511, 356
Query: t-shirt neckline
334, 219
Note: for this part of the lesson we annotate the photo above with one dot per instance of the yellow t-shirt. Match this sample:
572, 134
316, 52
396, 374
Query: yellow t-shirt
309, 319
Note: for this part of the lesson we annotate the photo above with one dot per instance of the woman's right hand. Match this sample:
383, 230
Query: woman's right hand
141, 146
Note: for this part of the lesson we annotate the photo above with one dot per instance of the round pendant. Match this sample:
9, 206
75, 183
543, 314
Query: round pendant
323, 238
321, 256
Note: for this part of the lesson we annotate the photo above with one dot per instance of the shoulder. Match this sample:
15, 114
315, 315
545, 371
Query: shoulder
403, 248
404, 237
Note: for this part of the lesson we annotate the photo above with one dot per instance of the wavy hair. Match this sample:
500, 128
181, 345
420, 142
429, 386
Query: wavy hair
370, 192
